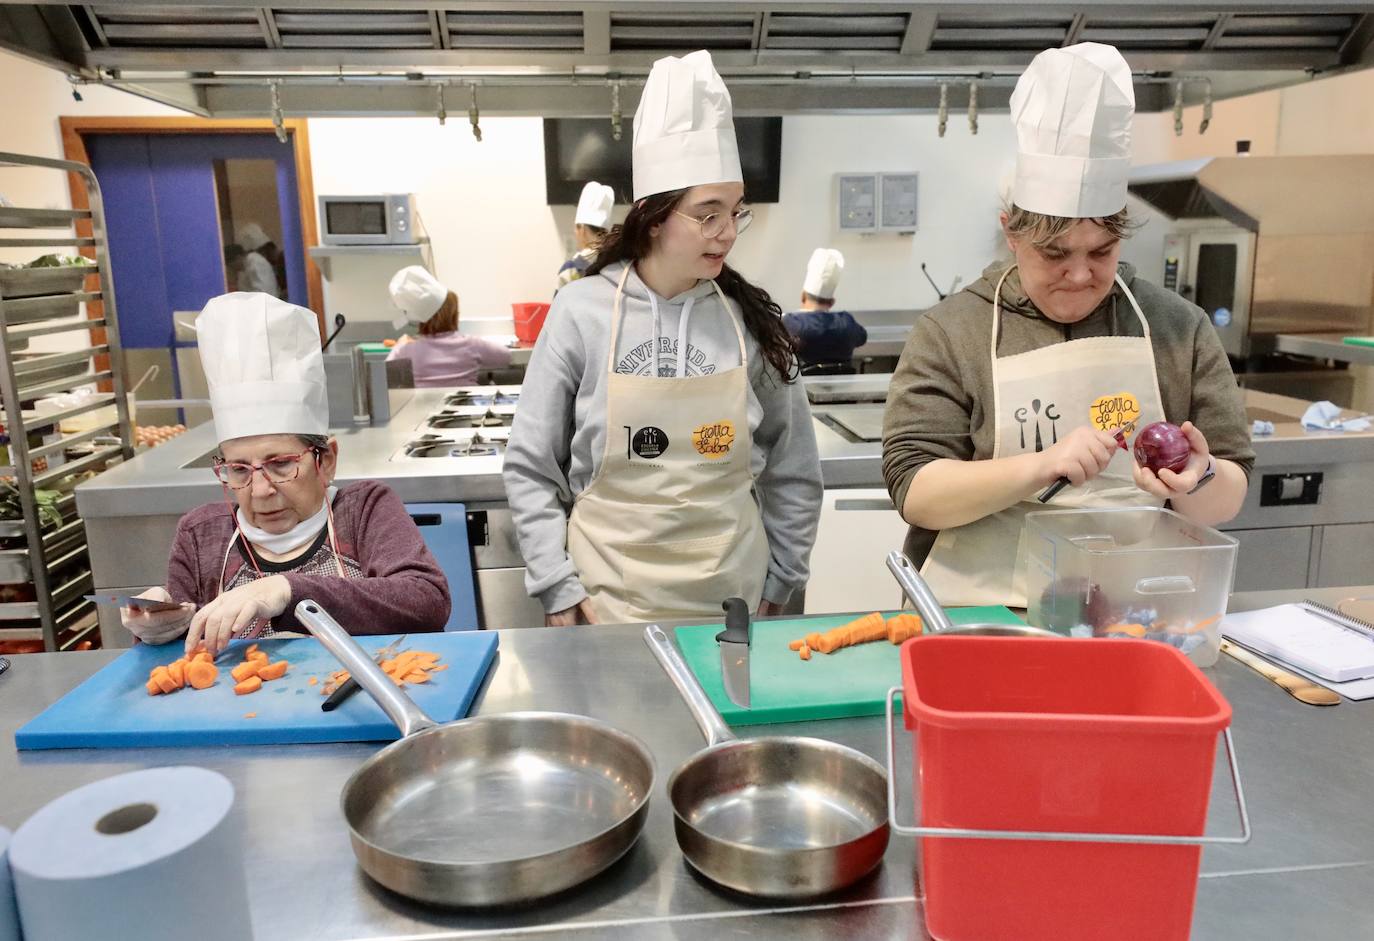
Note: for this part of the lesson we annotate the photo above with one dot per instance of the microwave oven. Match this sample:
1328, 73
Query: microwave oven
388, 219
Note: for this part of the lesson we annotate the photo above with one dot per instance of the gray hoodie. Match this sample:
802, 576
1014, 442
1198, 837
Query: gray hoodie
559, 436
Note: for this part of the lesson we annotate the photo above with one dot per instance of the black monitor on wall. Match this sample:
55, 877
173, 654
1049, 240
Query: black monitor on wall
580, 149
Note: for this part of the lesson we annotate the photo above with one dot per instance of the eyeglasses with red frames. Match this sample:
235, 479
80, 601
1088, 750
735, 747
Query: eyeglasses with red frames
279, 469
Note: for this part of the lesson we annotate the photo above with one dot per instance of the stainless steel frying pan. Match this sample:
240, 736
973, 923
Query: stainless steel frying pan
781, 817
491, 810
936, 621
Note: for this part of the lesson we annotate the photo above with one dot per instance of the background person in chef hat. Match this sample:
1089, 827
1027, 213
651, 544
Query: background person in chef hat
590, 223
662, 458
1022, 377
262, 267
826, 338
283, 532
441, 357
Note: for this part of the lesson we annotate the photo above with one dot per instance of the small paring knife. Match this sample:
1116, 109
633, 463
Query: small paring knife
734, 650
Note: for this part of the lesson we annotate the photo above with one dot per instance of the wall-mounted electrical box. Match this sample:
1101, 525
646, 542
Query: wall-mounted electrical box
876, 202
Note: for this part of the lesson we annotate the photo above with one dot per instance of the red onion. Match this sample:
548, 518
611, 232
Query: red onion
1163, 445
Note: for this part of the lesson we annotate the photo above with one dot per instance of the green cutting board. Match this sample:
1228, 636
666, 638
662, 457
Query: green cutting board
1360, 341
374, 348
784, 688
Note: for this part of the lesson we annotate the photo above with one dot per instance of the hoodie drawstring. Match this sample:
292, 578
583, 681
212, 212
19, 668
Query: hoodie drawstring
681, 333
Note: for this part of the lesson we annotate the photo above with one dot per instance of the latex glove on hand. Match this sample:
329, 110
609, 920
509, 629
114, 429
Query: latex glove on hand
580, 613
1166, 484
1080, 456
234, 612
157, 627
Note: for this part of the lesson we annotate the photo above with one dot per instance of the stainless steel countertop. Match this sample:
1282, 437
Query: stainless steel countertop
1324, 346
1306, 770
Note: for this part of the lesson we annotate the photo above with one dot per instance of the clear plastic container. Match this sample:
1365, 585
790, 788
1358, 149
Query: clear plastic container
1133, 572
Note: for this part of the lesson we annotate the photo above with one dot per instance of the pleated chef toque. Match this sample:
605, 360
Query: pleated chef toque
823, 273
595, 205
1072, 109
263, 365
418, 295
684, 128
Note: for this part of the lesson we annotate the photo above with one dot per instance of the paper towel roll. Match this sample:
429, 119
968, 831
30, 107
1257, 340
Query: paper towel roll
9, 914
149, 855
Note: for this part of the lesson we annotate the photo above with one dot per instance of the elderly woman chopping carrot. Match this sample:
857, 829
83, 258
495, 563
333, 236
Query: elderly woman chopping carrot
283, 531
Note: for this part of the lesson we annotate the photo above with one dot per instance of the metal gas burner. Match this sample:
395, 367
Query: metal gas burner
466, 397
438, 446
470, 419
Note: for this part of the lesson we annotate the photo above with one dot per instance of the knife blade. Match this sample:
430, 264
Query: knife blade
129, 601
350, 686
734, 650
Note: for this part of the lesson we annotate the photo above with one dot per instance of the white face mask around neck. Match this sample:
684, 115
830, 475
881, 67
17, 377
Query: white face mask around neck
295, 537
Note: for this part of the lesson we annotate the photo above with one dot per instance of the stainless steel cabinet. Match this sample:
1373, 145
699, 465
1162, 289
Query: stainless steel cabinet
1273, 558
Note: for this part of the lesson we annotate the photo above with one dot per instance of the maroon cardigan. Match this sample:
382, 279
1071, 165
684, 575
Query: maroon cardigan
402, 590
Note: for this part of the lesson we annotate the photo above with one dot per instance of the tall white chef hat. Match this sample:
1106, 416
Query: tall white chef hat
418, 294
1072, 109
263, 365
684, 128
252, 237
823, 273
595, 205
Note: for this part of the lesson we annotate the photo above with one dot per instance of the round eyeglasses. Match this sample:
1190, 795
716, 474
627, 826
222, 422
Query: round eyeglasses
281, 469
713, 224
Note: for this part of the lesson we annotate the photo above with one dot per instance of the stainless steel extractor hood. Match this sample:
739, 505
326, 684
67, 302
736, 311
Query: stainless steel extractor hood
222, 58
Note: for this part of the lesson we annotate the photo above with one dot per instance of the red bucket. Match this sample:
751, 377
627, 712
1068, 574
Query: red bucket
529, 320
1083, 736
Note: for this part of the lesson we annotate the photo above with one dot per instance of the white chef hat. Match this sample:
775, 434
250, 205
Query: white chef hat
823, 273
263, 365
252, 237
595, 205
418, 294
1072, 109
684, 128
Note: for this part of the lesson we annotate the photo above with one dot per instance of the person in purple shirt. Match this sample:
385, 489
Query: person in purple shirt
284, 533
441, 357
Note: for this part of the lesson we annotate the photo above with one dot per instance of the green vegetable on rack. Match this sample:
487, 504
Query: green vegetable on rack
60, 261
12, 509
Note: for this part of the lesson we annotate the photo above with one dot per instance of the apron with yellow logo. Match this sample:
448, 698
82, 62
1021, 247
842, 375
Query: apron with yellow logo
1039, 397
668, 527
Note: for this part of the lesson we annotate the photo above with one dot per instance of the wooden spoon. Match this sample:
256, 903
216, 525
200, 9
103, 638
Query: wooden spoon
1300, 688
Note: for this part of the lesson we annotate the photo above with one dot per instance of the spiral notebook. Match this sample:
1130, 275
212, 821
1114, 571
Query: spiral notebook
1317, 639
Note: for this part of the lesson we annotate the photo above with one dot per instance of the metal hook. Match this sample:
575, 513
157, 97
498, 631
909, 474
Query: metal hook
441, 112
474, 116
973, 106
1178, 109
942, 116
278, 122
615, 111
1206, 109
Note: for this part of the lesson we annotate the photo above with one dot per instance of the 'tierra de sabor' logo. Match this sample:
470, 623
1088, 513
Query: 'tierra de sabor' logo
714, 440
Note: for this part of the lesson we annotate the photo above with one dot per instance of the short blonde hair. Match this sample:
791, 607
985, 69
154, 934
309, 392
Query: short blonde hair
445, 319
1040, 229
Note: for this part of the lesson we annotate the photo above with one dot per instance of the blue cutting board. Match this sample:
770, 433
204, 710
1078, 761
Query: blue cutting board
112, 709
784, 688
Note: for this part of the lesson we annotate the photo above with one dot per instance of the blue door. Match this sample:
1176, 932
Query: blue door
177, 207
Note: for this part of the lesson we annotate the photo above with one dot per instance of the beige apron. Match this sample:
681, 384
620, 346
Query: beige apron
1038, 397
668, 527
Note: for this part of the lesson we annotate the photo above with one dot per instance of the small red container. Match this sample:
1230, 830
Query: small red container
529, 320
1095, 736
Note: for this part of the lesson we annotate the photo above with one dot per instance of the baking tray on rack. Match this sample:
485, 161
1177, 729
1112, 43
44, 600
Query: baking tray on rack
16, 283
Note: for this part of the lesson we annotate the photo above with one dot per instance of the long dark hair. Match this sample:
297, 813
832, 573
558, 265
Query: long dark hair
762, 316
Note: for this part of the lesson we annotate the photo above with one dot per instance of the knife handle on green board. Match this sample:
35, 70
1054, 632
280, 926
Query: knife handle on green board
738, 628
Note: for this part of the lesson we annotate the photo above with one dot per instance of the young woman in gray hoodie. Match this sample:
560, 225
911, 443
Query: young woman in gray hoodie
673, 538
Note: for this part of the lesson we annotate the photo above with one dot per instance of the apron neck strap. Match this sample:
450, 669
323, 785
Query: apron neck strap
617, 314
997, 307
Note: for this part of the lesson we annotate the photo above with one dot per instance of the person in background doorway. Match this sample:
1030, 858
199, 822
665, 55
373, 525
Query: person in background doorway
824, 336
233, 266
1028, 374
283, 531
589, 228
441, 356
259, 273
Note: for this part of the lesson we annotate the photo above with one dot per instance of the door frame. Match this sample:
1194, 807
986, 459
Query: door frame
75, 130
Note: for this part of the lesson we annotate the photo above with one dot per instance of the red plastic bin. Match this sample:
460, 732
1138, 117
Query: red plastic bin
1096, 736
529, 320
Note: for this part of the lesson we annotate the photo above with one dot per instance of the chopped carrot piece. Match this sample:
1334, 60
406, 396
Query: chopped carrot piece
164, 680
274, 671
251, 649
245, 670
805, 652
437, 667
417, 676
202, 657
796, 645
201, 675
250, 715
257, 655
901, 627
153, 688
177, 671
312, 681
250, 685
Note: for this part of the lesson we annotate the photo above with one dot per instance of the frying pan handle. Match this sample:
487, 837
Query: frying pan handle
915, 588
399, 707
708, 718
